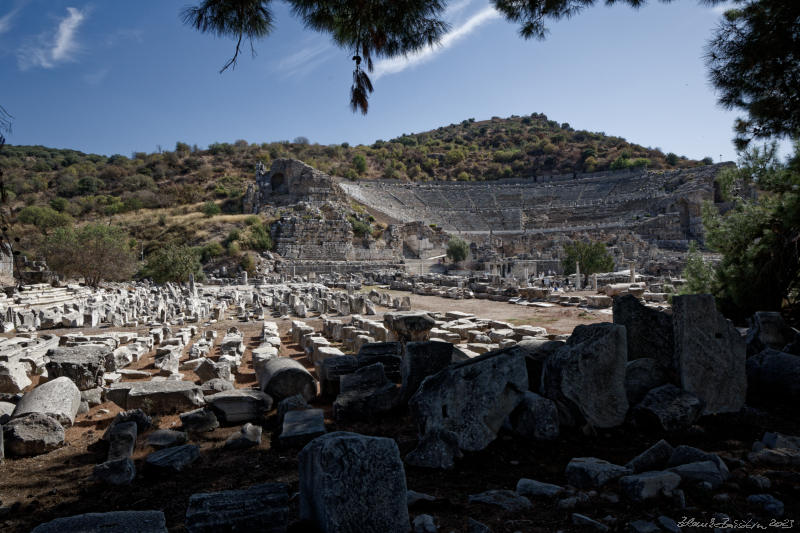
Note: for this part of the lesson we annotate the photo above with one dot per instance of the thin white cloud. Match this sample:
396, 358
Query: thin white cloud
5, 20
125, 34
304, 60
52, 47
95, 78
399, 64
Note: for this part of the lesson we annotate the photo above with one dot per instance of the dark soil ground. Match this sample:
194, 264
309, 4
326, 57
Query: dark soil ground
38, 489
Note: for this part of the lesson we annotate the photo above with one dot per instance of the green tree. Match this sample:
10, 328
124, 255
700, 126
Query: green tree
211, 250
247, 263
699, 274
95, 252
360, 163
360, 228
173, 262
59, 204
758, 237
457, 249
45, 218
259, 238
672, 158
209, 209
592, 257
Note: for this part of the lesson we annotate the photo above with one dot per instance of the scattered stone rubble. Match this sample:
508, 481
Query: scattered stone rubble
463, 380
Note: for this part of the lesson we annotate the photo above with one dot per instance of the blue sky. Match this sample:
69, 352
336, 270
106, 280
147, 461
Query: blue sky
123, 76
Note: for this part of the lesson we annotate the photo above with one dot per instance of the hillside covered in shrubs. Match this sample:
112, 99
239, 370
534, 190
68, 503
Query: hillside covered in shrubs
193, 196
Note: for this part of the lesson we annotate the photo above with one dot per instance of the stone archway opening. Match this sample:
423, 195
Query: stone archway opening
278, 183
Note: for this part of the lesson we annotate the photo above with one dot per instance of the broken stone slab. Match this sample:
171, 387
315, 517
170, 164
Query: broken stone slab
232, 342
586, 377
536, 417
774, 376
115, 521
174, 459
593, 473
767, 330
701, 471
641, 376
14, 376
208, 370
167, 360
709, 354
530, 488
409, 326
290, 404
156, 396
6, 410
766, 504
648, 485
330, 370
325, 352
249, 435
468, 401
32, 434
164, 438
213, 386
199, 421
352, 482
122, 440
238, 510
59, 398
120, 358
588, 524
365, 394
422, 359
669, 408
283, 377
779, 457
779, 440
536, 353
239, 405
133, 374
142, 420
301, 426
84, 365
684, 454
508, 500
653, 458
649, 332
93, 397
115, 472
390, 354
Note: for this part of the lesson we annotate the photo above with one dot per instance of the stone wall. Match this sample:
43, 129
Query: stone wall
290, 181
6, 266
310, 233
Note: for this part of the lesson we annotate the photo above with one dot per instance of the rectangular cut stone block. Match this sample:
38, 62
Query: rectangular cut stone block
263, 507
352, 482
709, 354
301, 426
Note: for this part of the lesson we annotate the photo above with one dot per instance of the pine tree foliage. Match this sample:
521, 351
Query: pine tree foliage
759, 238
754, 63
